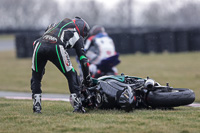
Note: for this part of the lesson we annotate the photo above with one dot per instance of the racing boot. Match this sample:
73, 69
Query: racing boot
36, 103
76, 103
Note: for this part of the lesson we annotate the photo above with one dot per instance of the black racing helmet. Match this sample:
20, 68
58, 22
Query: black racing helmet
81, 26
96, 30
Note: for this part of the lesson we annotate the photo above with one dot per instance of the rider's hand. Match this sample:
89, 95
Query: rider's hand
87, 81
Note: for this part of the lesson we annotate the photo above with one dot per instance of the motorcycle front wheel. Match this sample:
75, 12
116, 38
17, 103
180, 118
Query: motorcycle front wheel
174, 97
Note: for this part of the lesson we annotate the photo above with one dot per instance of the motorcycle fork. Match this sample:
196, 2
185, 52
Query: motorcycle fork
141, 98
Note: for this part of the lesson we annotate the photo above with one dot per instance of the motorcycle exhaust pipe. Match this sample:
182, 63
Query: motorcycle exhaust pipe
149, 84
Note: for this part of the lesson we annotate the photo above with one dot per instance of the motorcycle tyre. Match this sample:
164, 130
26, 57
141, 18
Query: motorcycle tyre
176, 97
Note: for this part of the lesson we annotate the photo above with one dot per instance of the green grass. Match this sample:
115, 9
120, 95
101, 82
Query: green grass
180, 70
16, 75
16, 116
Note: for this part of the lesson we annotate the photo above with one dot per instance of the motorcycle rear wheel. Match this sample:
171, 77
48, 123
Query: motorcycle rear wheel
173, 98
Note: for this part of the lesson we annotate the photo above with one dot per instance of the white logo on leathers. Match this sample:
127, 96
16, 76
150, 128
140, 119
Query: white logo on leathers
51, 38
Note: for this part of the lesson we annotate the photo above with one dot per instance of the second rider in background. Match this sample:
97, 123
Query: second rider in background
100, 50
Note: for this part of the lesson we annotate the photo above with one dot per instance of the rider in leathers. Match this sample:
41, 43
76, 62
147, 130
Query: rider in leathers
68, 33
99, 46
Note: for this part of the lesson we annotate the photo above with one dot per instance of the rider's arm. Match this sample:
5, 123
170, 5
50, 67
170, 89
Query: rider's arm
93, 54
82, 58
89, 42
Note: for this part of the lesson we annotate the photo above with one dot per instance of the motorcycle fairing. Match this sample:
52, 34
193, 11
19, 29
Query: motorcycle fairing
120, 78
111, 91
116, 77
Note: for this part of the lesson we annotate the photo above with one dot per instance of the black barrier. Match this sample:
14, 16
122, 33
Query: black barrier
166, 41
127, 42
151, 42
24, 44
181, 41
194, 40
137, 43
122, 42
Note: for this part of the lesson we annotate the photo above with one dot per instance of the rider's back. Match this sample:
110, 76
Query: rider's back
63, 33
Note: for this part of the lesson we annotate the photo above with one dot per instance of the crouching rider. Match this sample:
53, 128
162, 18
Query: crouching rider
52, 46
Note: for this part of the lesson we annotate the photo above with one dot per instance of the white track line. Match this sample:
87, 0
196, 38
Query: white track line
194, 105
45, 99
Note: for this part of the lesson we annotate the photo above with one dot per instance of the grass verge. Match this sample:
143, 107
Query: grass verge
16, 116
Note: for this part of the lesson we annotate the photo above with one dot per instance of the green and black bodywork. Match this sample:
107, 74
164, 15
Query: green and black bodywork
128, 93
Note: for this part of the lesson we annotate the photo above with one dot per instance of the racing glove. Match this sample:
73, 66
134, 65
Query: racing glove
87, 81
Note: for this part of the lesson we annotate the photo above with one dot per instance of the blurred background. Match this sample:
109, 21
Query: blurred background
156, 38
135, 25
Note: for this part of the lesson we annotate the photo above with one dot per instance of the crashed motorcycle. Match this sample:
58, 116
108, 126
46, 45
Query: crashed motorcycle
129, 93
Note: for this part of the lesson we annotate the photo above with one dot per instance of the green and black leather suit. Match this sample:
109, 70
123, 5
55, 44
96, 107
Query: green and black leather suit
52, 47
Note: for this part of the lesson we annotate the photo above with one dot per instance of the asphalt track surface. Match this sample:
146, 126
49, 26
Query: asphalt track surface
7, 44
28, 96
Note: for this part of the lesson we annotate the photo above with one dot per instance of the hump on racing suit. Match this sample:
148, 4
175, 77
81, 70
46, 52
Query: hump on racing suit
69, 33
